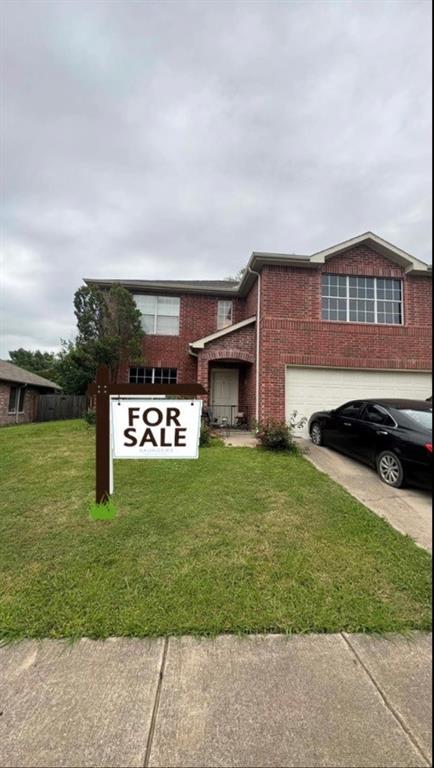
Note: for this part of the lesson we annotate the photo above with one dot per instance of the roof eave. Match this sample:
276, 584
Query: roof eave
200, 343
163, 288
260, 259
35, 385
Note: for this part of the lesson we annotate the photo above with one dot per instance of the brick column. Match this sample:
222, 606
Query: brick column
203, 375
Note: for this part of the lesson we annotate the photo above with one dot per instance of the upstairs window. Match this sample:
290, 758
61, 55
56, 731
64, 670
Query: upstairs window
224, 314
153, 376
160, 314
361, 299
16, 400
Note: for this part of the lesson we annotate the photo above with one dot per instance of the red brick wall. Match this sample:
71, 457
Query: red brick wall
29, 405
251, 301
292, 331
198, 318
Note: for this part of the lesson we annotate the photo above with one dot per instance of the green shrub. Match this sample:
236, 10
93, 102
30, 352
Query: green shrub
209, 439
275, 435
90, 417
205, 435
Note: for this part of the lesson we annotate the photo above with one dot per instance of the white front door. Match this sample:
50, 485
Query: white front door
224, 394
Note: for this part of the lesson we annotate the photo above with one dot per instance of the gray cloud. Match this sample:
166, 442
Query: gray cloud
162, 139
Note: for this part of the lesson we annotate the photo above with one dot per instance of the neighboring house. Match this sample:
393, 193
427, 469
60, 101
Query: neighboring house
296, 333
19, 393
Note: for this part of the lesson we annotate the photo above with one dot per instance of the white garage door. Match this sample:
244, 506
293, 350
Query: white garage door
316, 389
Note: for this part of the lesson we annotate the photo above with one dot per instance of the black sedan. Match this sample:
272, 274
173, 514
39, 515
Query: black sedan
394, 436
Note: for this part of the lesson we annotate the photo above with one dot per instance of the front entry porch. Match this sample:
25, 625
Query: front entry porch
226, 401
226, 370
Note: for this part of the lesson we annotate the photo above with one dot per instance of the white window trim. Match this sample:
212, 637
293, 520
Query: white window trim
347, 301
156, 314
226, 325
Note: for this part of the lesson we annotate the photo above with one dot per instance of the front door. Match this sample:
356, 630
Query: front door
224, 394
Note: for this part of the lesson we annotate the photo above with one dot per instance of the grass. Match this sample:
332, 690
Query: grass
106, 511
240, 540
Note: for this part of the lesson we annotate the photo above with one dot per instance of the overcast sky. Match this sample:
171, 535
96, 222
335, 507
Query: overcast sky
170, 139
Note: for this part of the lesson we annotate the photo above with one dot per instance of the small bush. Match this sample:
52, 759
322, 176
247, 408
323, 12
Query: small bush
205, 435
90, 417
209, 439
275, 435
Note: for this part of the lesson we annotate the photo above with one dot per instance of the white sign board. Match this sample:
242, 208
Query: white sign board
155, 429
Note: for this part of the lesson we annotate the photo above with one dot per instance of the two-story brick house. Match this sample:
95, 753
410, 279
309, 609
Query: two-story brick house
296, 333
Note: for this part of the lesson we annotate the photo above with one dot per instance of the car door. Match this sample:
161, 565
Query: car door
375, 429
343, 427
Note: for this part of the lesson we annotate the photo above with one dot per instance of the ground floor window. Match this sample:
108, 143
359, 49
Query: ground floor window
16, 399
153, 375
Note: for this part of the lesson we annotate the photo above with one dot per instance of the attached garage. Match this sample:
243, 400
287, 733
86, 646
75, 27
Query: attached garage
314, 389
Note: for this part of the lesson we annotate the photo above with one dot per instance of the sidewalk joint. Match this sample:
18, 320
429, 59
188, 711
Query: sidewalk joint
156, 704
386, 702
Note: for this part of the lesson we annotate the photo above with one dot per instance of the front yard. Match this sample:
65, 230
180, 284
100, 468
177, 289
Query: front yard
238, 541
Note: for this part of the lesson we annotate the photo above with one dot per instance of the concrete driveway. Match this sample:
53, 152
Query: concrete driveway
408, 510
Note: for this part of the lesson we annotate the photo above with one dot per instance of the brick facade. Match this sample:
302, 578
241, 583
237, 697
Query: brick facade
29, 405
198, 318
291, 330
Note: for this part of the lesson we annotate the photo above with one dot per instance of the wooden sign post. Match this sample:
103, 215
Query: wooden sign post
103, 390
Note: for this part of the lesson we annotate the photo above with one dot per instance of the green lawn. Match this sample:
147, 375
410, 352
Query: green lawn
239, 541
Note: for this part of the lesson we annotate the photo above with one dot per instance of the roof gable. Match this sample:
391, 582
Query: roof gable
384, 248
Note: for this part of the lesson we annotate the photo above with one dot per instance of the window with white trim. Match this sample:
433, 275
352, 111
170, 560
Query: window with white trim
16, 399
153, 376
224, 314
160, 314
361, 299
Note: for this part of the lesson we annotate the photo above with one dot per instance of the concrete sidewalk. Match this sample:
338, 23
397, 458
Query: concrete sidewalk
272, 700
240, 439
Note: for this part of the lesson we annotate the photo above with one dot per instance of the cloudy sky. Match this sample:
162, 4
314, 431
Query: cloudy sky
170, 139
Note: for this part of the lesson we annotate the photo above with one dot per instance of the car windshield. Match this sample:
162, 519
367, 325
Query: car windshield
423, 418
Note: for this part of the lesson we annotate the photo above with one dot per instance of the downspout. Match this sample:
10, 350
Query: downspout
258, 315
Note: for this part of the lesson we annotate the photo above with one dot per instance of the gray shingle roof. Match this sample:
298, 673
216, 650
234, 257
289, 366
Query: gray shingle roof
259, 258
11, 372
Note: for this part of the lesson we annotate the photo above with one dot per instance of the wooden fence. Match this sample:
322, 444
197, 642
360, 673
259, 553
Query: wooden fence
53, 407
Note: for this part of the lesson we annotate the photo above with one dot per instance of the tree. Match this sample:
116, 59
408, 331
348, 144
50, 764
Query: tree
238, 276
45, 364
109, 330
76, 369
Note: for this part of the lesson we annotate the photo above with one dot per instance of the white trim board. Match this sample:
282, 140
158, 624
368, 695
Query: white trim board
386, 249
200, 343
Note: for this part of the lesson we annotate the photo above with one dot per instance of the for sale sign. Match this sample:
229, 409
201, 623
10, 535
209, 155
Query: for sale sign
155, 429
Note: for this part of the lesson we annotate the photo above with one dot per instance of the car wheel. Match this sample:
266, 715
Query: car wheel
316, 433
390, 469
